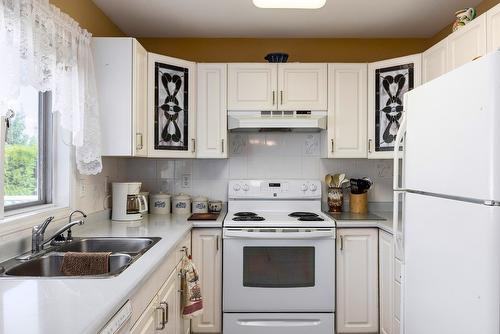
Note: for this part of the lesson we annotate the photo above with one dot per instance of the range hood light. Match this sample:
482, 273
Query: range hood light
296, 4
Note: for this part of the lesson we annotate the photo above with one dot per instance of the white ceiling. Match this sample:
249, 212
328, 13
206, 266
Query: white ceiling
240, 18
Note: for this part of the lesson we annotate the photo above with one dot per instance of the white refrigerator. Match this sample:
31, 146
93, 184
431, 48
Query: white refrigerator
447, 197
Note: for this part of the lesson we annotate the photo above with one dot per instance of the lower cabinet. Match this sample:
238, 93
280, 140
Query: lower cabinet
148, 321
357, 280
207, 255
386, 282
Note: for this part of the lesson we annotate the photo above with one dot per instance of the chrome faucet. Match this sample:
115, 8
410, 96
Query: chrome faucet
37, 235
70, 237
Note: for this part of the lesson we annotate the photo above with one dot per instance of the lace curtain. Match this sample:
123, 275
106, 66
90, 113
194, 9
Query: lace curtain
42, 47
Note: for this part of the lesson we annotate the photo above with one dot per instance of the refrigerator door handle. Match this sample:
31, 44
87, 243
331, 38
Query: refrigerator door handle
399, 137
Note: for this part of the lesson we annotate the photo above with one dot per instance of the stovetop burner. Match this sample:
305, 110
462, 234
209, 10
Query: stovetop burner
311, 219
245, 214
302, 214
248, 218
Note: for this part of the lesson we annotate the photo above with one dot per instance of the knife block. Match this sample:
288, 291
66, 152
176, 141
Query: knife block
358, 203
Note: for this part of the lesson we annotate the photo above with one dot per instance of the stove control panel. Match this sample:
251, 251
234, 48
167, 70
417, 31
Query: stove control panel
278, 189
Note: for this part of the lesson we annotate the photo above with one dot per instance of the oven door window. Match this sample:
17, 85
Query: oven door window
278, 267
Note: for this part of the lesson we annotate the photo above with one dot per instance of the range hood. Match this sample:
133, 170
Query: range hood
276, 120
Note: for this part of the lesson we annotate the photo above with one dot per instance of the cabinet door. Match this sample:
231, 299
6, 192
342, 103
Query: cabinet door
388, 81
207, 256
386, 281
252, 86
347, 113
172, 107
493, 28
149, 321
169, 300
140, 97
302, 86
357, 285
212, 111
467, 43
434, 61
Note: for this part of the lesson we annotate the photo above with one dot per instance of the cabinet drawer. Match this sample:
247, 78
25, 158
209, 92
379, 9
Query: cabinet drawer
397, 270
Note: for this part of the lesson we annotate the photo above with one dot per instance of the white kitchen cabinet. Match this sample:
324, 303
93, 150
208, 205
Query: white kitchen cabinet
435, 61
493, 28
121, 77
384, 93
386, 281
467, 43
252, 86
149, 320
357, 283
169, 302
212, 111
207, 255
172, 110
347, 111
302, 86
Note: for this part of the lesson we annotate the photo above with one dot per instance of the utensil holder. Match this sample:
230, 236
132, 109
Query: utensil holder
358, 203
335, 199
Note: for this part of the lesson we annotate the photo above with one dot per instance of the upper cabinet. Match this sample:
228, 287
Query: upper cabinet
347, 111
121, 76
252, 86
212, 111
172, 107
388, 81
294, 86
467, 43
435, 61
493, 28
302, 86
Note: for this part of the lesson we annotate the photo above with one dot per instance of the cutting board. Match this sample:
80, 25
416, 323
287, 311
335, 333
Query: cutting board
204, 216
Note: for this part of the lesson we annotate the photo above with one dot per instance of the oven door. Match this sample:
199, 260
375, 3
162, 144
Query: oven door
279, 270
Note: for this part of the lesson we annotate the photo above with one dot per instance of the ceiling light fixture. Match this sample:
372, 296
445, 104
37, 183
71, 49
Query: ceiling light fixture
302, 4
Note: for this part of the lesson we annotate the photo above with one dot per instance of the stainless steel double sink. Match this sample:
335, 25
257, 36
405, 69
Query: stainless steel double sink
124, 251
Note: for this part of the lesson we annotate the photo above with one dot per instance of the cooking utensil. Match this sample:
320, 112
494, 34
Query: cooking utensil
328, 180
341, 180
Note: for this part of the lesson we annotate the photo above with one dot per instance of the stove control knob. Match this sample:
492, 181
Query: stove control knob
245, 187
236, 187
313, 187
303, 187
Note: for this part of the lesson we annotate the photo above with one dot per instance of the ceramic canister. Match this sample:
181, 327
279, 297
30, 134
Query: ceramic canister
181, 204
159, 203
200, 204
215, 206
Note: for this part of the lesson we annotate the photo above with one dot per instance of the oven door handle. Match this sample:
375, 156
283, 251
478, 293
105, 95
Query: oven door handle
279, 323
242, 234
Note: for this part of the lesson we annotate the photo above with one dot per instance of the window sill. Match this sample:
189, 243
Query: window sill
23, 219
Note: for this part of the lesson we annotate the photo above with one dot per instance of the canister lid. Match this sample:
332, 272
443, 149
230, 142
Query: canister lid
200, 199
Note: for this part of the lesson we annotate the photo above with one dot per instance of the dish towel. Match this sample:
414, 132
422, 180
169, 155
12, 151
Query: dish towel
81, 264
192, 303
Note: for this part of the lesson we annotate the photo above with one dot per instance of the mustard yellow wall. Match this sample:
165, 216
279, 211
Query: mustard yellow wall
89, 16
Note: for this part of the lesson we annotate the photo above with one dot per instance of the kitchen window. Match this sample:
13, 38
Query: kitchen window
28, 152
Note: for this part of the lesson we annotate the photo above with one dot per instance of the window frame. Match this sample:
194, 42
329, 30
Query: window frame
45, 155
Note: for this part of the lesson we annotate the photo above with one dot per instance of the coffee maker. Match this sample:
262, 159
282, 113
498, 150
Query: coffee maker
128, 204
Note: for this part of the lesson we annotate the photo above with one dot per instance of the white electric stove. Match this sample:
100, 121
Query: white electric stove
279, 259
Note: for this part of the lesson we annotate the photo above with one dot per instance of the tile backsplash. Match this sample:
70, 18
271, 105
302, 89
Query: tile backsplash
293, 155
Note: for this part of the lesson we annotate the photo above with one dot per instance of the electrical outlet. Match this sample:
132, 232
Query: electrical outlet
83, 187
186, 181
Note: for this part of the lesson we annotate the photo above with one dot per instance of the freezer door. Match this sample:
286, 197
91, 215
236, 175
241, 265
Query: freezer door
278, 323
451, 275
453, 132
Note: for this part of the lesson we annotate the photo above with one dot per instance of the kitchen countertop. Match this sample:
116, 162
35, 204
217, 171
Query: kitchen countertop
75, 305
377, 219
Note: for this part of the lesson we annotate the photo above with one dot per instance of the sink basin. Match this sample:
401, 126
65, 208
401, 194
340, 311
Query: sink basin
50, 265
124, 252
114, 245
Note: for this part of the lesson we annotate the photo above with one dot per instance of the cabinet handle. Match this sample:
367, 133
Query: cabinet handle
194, 145
162, 322
369, 146
138, 136
165, 313
341, 243
274, 97
222, 141
281, 96
333, 149
217, 243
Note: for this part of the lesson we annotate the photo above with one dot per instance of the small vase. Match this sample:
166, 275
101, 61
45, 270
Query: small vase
335, 199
